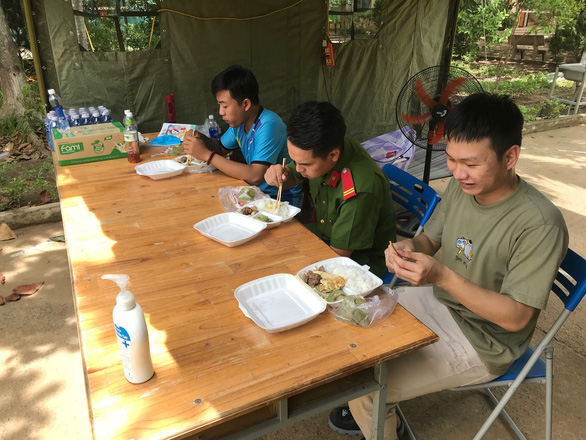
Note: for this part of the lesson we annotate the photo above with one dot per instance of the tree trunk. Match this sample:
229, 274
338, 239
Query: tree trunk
12, 78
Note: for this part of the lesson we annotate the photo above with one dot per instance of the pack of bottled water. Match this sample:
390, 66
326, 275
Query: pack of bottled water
88, 116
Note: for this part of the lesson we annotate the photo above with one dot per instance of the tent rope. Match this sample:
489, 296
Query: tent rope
232, 18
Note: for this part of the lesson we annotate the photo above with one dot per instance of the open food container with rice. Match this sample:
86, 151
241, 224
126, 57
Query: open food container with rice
283, 301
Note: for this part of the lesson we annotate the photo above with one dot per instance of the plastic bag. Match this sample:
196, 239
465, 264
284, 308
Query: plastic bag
366, 312
393, 147
233, 198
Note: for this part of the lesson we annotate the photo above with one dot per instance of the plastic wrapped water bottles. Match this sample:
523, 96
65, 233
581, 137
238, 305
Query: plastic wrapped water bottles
213, 128
55, 102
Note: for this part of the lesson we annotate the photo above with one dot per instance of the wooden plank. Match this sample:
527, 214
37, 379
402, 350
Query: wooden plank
212, 364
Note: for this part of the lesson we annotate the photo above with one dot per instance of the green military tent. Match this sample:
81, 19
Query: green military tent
280, 40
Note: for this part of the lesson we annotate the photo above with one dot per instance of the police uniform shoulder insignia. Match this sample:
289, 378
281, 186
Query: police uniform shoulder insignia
347, 184
334, 179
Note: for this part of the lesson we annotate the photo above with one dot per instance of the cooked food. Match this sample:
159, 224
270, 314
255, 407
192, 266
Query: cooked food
351, 310
329, 286
270, 206
329, 282
263, 218
249, 210
356, 277
246, 194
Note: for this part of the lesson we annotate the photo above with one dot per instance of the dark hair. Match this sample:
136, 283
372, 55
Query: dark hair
316, 126
239, 81
486, 116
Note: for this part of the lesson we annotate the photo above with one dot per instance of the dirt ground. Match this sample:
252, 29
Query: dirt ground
43, 391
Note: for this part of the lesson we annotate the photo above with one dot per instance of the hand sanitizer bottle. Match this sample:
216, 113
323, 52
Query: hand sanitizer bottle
132, 333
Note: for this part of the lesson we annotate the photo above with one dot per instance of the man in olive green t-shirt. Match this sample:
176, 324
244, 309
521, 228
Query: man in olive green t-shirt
502, 242
351, 194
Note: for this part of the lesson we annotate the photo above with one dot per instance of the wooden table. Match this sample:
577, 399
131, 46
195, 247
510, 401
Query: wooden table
215, 370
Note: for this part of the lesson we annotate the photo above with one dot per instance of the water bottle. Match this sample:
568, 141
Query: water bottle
95, 119
75, 120
85, 118
106, 116
48, 131
131, 139
55, 102
213, 128
128, 115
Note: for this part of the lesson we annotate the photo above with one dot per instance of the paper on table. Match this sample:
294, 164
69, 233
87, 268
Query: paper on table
177, 130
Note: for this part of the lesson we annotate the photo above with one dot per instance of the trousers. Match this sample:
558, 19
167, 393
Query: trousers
450, 362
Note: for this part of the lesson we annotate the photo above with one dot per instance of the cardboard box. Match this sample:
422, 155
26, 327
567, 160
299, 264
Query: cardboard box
89, 143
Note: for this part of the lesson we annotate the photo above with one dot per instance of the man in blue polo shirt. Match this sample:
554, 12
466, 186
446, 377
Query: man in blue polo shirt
260, 134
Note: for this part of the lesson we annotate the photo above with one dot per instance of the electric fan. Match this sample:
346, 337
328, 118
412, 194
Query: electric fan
425, 102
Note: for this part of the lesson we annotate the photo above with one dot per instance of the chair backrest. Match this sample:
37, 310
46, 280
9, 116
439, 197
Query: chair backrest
411, 193
570, 282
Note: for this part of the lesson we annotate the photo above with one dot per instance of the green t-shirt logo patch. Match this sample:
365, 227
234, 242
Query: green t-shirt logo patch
464, 245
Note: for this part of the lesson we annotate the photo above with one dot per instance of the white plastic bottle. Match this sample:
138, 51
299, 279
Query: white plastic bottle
132, 333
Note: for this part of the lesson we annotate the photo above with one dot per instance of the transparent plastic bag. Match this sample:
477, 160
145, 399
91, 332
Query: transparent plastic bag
366, 312
233, 198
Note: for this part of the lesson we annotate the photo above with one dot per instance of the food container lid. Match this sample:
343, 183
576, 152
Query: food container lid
278, 302
159, 169
230, 229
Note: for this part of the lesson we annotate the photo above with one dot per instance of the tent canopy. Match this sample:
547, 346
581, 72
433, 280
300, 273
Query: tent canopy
280, 40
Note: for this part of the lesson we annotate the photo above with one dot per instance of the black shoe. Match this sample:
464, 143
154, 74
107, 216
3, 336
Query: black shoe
341, 421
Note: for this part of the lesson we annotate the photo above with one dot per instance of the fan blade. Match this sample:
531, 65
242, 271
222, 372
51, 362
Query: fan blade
436, 135
450, 88
422, 94
417, 119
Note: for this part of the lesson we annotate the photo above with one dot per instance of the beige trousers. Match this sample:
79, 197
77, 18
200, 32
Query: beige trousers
450, 362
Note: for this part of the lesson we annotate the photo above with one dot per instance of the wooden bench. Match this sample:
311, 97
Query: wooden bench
521, 41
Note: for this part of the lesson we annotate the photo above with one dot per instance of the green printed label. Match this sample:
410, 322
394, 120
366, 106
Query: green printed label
71, 148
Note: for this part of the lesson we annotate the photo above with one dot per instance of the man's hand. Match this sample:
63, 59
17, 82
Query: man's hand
195, 145
415, 267
276, 175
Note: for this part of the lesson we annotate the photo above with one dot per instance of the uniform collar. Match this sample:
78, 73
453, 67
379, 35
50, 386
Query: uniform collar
334, 176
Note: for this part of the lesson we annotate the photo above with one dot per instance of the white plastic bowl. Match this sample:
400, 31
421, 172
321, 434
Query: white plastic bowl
160, 169
230, 229
278, 302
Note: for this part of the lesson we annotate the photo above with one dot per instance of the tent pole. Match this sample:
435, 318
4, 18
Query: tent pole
450, 34
32, 38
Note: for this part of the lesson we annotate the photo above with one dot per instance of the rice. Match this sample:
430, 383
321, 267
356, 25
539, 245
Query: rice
356, 278
270, 207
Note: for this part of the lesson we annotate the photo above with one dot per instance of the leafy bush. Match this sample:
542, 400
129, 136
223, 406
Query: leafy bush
552, 109
481, 20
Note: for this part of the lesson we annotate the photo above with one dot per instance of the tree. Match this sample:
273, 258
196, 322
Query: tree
12, 77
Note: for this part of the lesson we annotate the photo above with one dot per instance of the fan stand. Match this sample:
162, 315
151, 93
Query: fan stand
405, 217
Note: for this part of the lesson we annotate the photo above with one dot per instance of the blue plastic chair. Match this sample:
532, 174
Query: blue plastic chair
570, 287
418, 198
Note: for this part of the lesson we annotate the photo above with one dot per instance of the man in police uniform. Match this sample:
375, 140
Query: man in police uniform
355, 217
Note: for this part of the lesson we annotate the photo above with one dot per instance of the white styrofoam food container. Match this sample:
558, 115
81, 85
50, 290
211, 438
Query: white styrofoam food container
278, 302
344, 261
292, 210
230, 229
275, 219
160, 169
196, 166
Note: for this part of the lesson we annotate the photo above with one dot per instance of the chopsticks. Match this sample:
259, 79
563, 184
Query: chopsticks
279, 194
